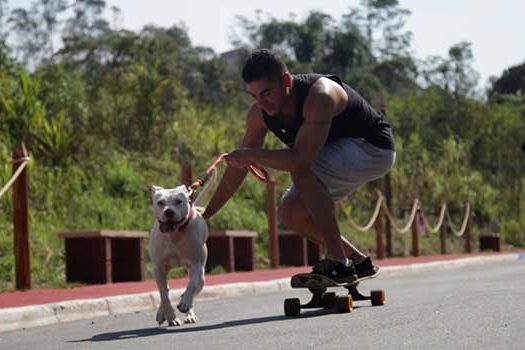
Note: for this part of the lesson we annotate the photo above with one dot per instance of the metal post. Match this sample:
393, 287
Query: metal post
272, 224
21, 221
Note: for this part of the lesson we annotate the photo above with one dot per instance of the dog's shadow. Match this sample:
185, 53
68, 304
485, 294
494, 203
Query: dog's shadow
153, 331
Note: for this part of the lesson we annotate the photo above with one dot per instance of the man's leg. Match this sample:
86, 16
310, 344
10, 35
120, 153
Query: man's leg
293, 214
321, 221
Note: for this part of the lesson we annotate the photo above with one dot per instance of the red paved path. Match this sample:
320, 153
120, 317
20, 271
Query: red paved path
44, 296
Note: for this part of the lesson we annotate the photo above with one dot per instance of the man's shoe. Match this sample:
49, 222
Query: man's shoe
336, 271
366, 269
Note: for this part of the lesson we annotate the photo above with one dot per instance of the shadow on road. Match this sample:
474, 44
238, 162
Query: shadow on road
148, 332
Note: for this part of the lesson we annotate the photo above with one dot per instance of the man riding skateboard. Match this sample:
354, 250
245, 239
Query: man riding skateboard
336, 143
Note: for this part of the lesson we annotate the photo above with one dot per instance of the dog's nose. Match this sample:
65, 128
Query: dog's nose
169, 213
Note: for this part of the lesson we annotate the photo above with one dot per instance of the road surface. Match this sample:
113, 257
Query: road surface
474, 307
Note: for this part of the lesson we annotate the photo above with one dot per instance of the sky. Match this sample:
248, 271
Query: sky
495, 28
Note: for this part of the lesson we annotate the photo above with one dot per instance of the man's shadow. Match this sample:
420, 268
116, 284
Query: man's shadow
153, 331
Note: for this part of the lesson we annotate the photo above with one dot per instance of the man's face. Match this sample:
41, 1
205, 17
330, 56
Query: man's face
269, 95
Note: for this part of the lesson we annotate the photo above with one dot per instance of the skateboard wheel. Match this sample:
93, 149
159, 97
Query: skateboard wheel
292, 307
378, 297
344, 304
329, 298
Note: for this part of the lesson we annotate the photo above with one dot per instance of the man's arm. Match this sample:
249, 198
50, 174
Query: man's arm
233, 177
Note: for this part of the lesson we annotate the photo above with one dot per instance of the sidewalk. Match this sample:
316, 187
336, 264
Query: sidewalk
40, 307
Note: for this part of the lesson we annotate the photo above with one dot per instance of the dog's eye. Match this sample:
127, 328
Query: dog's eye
161, 203
178, 202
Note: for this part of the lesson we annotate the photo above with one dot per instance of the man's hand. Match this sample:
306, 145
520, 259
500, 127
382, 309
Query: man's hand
200, 210
240, 158
205, 215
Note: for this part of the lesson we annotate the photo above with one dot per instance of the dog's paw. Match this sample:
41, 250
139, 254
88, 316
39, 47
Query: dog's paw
186, 303
167, 314
191, 317
174, 323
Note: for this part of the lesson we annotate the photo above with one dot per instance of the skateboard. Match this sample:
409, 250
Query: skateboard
318, 285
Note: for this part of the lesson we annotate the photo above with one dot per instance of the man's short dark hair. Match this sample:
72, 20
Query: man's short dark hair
263, 64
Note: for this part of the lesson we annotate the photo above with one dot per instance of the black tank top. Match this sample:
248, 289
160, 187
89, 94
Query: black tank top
358, 120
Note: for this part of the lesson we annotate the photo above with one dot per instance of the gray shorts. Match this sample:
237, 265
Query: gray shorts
345, 164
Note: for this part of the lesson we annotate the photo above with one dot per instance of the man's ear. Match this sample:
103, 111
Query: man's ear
287, 80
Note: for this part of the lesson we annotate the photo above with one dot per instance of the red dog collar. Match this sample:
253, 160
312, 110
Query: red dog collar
189, 217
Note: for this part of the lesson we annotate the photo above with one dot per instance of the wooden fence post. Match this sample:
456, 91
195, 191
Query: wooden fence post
380, 244
443, 237
388, 230
21, 221
415, 232
380, 105
186, 173
272, 224
468, 230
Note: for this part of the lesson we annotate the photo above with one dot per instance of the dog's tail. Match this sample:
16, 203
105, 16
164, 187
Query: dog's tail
207, 187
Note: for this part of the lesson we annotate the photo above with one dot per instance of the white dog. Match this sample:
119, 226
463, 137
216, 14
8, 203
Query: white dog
178, 238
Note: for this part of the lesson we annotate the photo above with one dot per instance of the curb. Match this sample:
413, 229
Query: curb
450, 264
74, 310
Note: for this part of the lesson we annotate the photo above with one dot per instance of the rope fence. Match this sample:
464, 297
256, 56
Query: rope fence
417, 223
463, 228
23, 161
441, 220
372, 220
19, 182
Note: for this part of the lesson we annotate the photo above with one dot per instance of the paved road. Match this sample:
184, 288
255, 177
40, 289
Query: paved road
465, 308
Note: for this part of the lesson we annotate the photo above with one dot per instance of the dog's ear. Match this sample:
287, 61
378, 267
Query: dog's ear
155, 189
183, 189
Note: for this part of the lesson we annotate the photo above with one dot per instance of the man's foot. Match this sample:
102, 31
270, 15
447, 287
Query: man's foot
366, 269
336, 270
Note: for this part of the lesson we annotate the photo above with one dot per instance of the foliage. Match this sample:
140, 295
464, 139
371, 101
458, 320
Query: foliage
109, 112
512, 81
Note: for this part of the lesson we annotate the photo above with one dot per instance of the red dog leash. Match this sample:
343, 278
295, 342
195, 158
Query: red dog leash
257, 171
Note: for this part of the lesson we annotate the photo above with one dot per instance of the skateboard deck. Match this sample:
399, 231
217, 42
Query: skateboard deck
315, 281
318, 284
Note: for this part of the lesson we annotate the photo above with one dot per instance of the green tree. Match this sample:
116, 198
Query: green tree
382, 23
88, 20
35, 29
3, 11
512, 82
368, 47
454, 74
